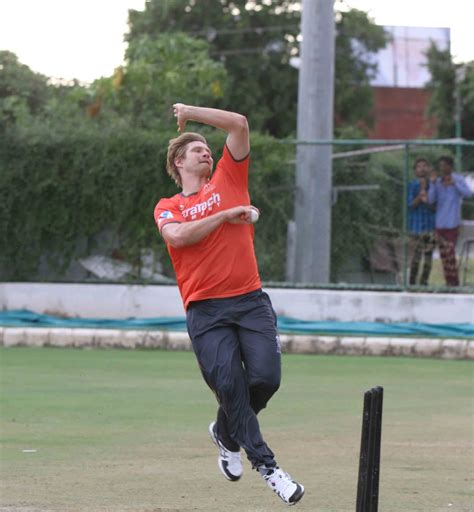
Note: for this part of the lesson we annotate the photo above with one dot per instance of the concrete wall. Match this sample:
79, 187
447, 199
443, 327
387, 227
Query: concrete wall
122, 301
290, 343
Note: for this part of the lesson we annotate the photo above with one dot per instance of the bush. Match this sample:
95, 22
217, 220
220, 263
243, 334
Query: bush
61, 189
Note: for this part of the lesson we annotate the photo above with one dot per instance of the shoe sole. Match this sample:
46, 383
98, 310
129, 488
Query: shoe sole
297, 495
231, 478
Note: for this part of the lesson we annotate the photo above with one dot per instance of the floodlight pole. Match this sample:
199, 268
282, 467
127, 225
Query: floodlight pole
315, 122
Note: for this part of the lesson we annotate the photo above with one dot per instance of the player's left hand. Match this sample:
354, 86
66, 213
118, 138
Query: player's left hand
179, 111
247, 216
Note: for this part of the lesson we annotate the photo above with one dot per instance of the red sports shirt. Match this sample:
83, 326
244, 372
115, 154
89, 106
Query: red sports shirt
222, 264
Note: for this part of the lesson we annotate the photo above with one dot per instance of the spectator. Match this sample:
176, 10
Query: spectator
421, 222
448, 191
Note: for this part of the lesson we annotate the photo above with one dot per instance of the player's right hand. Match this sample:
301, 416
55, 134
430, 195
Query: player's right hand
179, 111
240, 214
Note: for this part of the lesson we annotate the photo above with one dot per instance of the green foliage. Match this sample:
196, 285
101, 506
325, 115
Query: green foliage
255, 45
361, 218
62, 187
448, 80
271, 183
365, 219
160, 71
357, 38
255, 41
59, 190
442, 86
22, 92
66, 106
467, 101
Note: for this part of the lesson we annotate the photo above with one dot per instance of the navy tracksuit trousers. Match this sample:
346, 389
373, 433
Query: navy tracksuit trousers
238, 350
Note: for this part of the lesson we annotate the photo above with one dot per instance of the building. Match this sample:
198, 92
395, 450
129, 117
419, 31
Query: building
400, 97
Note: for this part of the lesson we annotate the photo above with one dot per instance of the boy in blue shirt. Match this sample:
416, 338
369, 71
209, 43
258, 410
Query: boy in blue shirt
421, 222
447, 192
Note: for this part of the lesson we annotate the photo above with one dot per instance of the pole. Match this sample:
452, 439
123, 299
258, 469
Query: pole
405, 215
315, 121
458, 121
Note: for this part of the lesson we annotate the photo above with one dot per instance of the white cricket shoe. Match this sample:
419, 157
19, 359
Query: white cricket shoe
230, 463
281, 483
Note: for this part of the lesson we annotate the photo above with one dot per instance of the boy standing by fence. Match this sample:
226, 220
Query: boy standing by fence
421, 223
448, 191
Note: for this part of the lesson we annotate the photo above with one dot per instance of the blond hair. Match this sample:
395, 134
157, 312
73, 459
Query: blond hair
177, 149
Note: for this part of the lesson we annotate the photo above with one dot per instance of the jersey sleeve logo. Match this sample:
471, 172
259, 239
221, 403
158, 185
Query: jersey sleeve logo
164, 216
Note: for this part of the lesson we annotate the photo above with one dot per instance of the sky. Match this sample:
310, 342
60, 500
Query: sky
84, 39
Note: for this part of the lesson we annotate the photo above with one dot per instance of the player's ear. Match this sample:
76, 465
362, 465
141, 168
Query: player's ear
178, 162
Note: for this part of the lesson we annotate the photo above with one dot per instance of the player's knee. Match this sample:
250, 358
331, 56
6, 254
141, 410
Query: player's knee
267, 380
272, 382
261, 393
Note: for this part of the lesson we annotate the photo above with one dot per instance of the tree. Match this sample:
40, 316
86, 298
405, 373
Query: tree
255, 40
449, 79
153, 77
22, 91
27, 97
357, 40
466, 90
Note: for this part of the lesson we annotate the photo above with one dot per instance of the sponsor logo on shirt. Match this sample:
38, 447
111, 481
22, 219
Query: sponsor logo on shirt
208, 187
164, 216
201, 208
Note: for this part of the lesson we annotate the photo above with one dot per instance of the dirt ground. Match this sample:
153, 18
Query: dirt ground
110, 440
184, 477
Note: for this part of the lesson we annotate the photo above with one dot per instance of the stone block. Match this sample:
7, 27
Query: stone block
302, 344
37, 336
61, 337
375, 346
470, 349
427, 347
179, 341
327, 344
84, 338
156, 339
402, 346
351, 346
132, 338
454, 349
14, 336
108, 338
286, 343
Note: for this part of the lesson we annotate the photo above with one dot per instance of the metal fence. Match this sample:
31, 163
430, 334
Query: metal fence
370, 245
372, 241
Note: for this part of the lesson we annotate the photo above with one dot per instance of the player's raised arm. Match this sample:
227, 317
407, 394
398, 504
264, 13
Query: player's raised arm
234, 124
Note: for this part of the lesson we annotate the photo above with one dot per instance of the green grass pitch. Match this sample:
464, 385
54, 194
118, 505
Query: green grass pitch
118, 430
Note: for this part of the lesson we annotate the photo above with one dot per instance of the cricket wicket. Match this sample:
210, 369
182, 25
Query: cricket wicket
369, 461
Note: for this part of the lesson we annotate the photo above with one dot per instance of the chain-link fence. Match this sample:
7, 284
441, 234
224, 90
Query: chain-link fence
382, 228
374, 238
386, 206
